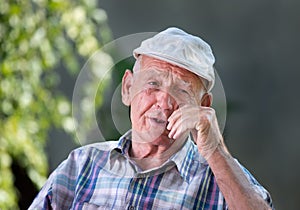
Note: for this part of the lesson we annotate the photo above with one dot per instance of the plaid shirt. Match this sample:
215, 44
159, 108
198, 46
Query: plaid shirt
101, 176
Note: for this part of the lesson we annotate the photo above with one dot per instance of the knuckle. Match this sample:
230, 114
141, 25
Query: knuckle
211, 111
204, 119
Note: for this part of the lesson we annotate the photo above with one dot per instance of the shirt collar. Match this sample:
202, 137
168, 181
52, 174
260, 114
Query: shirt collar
187, 159
124, 143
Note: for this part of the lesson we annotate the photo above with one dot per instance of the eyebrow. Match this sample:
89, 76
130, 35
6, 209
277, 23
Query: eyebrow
155, 72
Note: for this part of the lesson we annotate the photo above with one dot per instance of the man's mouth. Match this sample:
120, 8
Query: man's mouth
157, 120
159, 123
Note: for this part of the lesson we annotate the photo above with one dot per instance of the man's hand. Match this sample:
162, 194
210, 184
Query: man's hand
202, 122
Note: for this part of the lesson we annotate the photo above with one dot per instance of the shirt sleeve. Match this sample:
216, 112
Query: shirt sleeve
58, 192
258, 187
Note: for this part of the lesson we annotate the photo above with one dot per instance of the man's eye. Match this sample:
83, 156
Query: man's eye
153, 83
184, 91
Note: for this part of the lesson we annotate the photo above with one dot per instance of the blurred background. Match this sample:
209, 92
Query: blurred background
44, 44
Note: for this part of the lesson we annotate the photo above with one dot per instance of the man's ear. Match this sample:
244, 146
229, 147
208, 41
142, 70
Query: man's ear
126, 87
207, 100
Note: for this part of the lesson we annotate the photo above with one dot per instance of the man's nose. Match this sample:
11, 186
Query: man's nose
165, 100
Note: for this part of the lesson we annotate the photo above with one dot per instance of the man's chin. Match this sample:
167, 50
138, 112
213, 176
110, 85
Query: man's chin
155, 138
162, 140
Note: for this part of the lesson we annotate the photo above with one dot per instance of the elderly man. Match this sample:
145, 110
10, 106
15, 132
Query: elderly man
174, 156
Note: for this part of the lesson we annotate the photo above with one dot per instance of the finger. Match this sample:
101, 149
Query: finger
173, 126
180, 111
173, 118
176, 122
184, 122
186, 127
181, 126
183, 119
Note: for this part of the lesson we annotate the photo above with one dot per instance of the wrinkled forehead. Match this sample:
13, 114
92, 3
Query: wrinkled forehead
164, 68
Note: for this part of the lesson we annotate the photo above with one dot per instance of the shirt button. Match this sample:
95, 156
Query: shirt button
131, 207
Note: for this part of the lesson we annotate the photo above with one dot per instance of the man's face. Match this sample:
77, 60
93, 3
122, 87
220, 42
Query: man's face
156, 90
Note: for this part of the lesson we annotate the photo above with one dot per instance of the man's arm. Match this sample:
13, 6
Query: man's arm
237, 190
58, 191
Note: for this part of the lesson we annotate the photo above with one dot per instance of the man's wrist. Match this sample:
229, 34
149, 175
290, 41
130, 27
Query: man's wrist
220, 152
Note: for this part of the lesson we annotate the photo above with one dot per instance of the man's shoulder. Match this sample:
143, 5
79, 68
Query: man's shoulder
93, 151
104, 146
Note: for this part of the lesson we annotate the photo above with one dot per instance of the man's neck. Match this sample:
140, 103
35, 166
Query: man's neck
149, 155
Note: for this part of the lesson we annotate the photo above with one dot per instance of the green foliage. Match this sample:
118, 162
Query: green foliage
36, 36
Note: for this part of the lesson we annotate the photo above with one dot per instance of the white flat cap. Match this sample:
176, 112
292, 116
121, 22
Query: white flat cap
177, 47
